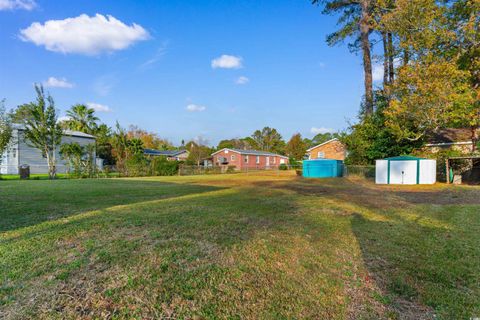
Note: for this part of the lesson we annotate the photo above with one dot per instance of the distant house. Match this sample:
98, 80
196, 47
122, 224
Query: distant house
453, 139
331, 149
173, 155
19, 152
248, 159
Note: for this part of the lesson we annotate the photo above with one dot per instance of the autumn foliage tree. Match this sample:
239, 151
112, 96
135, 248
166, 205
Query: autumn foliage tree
296, 147
150, 140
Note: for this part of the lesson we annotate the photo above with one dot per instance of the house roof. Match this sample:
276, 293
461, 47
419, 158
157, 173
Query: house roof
72, 133
167, 153
251, 152
450, 136
321, 144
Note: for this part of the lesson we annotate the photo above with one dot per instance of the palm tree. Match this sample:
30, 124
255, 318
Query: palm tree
82, 119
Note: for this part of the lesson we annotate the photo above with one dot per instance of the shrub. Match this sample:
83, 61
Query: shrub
283, 166
137, 166
162, 167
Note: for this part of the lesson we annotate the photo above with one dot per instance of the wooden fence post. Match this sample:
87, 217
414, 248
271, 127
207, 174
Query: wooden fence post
447, 168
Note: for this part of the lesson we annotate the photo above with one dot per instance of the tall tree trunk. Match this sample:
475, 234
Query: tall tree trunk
406, 57
50, 163
367, 59
391, 73
386, 55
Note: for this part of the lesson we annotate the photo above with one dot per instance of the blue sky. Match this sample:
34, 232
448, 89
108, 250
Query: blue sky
151, 64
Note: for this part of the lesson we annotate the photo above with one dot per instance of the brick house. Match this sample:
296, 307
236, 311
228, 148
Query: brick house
248, 159
331, 149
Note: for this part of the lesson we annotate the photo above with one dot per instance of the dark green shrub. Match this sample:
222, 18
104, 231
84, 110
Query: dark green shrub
137, 166
283, 166
162, 167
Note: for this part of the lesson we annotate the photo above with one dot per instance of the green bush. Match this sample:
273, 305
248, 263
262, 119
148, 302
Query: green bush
283, 166
137, 166
162, 167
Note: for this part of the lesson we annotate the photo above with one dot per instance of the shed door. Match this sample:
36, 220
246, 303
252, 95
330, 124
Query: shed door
403, 172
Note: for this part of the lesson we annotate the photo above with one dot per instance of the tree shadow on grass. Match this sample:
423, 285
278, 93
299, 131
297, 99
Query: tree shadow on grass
419, 243
27, 203
426, 272
366, 193
233, 253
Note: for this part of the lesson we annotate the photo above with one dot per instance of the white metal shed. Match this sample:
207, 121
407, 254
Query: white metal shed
405, 170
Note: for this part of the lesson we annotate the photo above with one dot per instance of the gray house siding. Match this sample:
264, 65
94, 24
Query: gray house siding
26, 154
9, 159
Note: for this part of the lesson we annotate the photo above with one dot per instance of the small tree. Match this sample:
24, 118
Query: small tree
296, 147
72, 153
42, 130
197, 153
5, 129
119, 142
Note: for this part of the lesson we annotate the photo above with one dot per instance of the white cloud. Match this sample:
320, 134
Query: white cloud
17, 4
63, 118
322, 65
53, 82
195, 108
201, 140
377, 72
315, 130
226, 61
98, 107
377, 69
84, 34
242, 80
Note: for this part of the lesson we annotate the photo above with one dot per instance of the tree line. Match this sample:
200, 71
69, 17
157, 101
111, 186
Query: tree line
121, 147
430, 52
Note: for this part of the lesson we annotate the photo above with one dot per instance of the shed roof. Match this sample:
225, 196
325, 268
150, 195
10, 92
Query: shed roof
404, 158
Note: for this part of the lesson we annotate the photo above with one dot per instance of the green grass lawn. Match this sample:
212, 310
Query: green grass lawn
257, 246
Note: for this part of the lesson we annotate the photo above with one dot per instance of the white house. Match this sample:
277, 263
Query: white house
19, 152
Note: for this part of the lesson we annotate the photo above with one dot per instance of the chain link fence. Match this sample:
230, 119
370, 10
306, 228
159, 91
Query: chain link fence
367, 172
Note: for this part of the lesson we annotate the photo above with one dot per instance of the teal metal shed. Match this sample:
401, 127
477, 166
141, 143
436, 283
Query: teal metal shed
322, 168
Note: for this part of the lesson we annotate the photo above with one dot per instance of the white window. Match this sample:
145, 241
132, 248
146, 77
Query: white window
258, 159
226, 151
321, 155
246, 159
232, 157
282, 161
